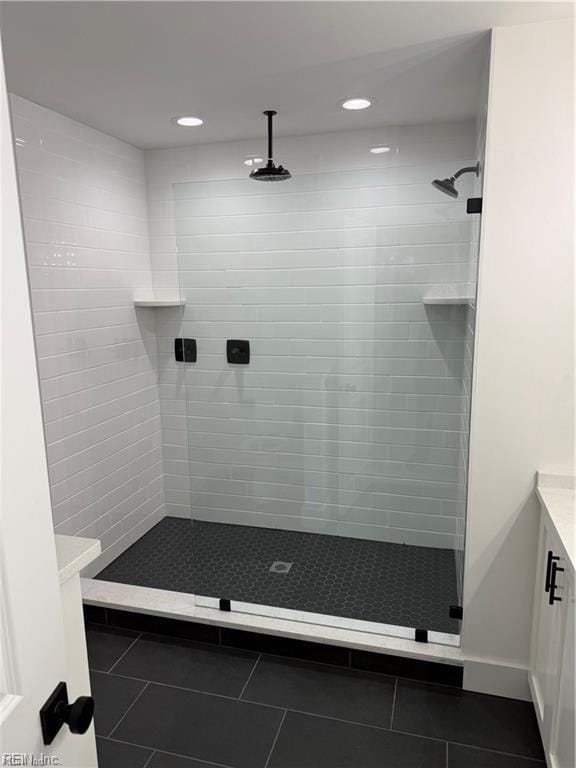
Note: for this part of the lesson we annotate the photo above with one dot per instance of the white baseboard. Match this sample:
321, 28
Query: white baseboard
496, 679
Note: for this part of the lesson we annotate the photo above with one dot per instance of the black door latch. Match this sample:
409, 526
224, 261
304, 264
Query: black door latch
57, 711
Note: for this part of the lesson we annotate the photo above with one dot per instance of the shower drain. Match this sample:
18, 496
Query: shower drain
279, 567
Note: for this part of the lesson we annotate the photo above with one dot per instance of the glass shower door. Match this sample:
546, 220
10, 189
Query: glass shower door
326, 415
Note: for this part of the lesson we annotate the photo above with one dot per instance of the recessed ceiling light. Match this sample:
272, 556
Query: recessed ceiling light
187, 122
379, 150
356, 103
251, 160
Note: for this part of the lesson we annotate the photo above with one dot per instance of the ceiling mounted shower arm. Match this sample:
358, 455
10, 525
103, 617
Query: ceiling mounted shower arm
270, 116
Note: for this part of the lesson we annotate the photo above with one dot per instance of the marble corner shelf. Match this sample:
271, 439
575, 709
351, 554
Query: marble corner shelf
157, 303
449, 297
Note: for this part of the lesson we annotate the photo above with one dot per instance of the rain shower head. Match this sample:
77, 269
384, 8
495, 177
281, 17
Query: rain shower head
270, 172
447, 185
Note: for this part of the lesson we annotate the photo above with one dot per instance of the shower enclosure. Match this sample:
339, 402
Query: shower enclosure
314, 393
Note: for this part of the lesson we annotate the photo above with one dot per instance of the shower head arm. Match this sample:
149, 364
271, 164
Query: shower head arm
469, 169
270, 115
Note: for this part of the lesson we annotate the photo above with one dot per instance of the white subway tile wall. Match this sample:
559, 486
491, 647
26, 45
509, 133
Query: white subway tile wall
351, 418
86, 227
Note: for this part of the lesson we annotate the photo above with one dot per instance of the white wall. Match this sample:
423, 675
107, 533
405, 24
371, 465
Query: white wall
85, 215
350, 416
523, 391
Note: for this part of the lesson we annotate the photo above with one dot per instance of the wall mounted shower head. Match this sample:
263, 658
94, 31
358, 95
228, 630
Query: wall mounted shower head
447, 185
270, 172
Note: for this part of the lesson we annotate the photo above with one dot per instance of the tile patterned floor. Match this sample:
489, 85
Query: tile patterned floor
165, 702
353, 578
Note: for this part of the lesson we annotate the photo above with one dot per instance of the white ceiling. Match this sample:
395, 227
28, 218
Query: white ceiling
128, 67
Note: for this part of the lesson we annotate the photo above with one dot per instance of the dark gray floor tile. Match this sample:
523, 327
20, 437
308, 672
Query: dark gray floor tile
322, 690
202, 726
471, 757
163, 760
106, 645
474, 719
307, 741
112, 698
188, 665
113, 754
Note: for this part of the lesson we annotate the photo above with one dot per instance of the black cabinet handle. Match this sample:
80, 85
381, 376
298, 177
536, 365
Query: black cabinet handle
553, 586
549, 562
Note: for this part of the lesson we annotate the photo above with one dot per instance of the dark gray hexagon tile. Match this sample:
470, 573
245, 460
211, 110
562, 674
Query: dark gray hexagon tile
113, 696
322, 690
308, 741
106, 645
203, 726
188, 664
474, 719
471, 757
114, 754
334, 575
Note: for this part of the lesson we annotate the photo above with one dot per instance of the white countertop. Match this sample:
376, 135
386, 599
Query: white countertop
74, 553
557, 495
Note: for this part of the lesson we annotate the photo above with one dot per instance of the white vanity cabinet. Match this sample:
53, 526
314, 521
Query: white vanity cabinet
552, 671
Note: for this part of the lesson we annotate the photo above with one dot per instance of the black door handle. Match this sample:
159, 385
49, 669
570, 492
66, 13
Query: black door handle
57, 710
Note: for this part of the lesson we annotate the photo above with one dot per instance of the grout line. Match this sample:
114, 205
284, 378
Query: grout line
150, 758
276, 738
166, 752
393, 703
496, 752
250, 676
125, 652
129, 708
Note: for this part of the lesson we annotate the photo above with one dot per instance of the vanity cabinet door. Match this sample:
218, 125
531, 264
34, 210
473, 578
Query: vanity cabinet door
563, 752
547, 637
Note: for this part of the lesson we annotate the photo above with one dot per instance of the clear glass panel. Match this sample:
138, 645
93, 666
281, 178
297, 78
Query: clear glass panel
327, 475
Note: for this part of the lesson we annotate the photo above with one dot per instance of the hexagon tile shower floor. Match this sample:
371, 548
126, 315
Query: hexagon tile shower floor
332, 575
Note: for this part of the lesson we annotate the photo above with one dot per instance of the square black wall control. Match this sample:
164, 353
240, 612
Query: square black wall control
238, 351
185, 350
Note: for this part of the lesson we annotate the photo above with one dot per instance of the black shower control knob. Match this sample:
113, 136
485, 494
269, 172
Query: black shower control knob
238, 351
79, 714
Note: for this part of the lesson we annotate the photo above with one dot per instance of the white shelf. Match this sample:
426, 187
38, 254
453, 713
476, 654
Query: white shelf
459, 294
159, 303
447, 299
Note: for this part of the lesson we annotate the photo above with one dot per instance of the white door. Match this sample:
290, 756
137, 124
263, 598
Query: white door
32, 652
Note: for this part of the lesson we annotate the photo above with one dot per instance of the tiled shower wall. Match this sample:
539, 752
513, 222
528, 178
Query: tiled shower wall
350, 418
86, 228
